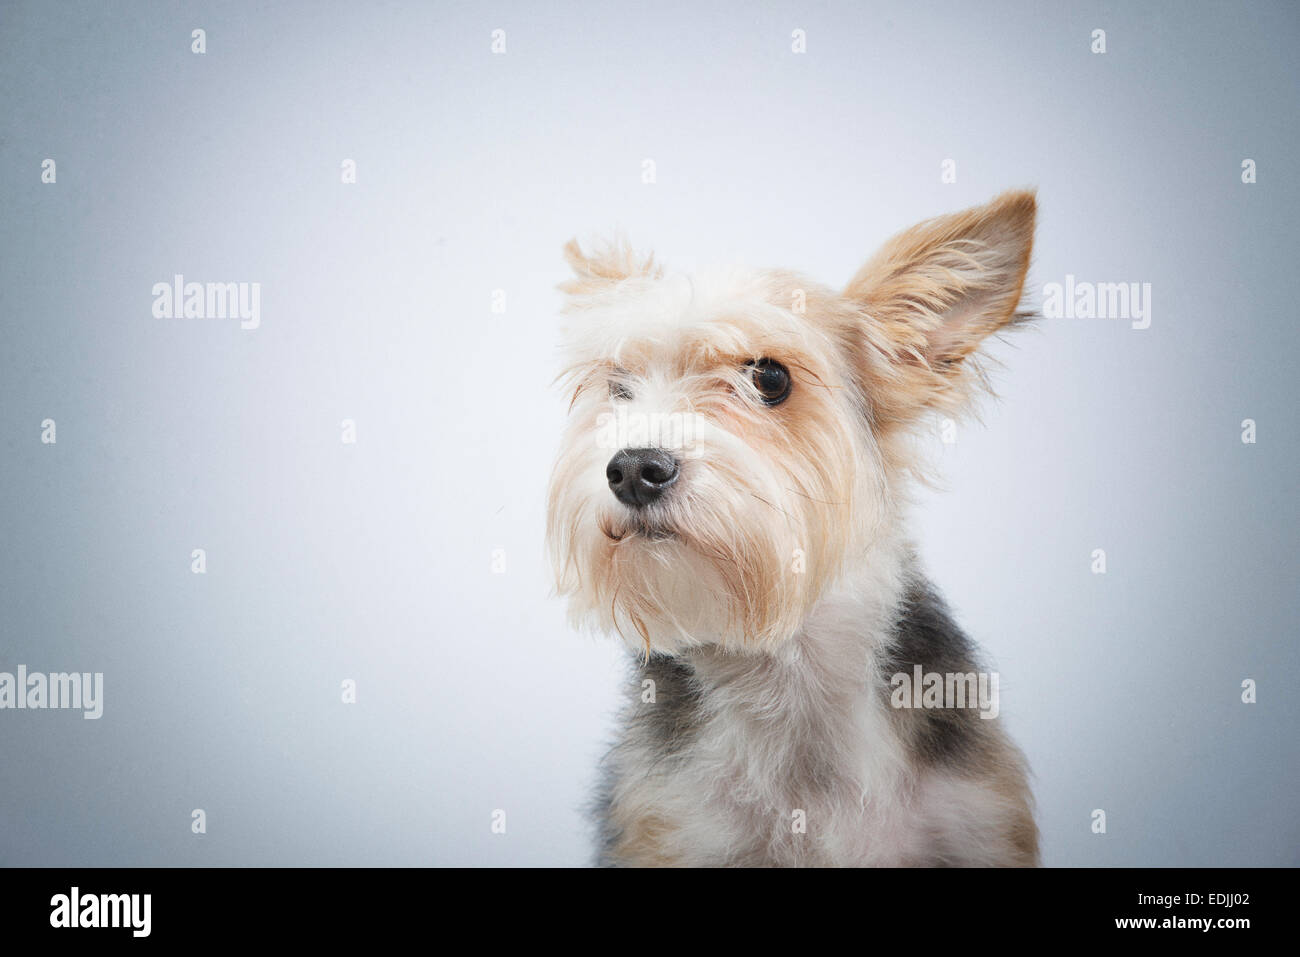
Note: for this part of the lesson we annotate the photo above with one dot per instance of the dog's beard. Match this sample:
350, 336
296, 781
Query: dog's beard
736, 554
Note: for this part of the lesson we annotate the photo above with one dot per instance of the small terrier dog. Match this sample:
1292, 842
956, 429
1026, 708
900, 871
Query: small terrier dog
729, 499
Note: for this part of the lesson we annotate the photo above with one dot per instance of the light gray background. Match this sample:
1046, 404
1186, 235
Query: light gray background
372, 562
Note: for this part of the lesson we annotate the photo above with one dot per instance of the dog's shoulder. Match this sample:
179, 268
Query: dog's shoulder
925, 635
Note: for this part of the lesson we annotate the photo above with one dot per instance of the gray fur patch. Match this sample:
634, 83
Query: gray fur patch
662, 727
926, 635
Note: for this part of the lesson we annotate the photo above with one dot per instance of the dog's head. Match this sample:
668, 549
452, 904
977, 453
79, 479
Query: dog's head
736, 437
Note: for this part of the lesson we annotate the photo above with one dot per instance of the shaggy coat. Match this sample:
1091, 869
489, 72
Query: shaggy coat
771, 593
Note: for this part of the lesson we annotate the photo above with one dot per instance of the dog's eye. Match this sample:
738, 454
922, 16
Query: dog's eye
771, 379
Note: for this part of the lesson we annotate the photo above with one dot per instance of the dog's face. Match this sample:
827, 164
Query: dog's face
736, 438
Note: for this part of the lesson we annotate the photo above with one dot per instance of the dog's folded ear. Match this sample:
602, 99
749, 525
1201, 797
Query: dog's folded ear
608, 263
931, 296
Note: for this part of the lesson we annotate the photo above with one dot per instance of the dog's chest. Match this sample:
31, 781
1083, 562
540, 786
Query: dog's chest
789, 760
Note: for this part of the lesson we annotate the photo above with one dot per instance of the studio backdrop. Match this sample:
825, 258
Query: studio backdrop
288, 532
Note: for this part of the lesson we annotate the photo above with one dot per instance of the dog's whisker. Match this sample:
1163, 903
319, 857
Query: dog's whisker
775, 508
819, 501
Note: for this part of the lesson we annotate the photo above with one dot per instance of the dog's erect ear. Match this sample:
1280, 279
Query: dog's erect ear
608, 263
931, 296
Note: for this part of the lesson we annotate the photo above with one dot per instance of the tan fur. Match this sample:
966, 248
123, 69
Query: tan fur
611, 262
932, 294
1009, 779
644, 839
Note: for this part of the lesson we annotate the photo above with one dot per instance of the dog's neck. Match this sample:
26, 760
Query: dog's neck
805, 717
822, 672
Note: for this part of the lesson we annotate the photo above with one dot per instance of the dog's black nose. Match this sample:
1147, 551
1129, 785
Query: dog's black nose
639, 476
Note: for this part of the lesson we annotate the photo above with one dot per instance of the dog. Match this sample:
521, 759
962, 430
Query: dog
729, 500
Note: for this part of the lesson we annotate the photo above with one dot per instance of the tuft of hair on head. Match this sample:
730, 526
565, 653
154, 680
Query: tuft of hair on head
930, 297
609, 262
